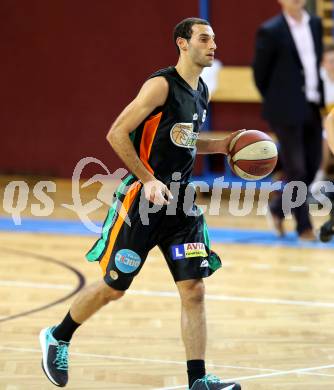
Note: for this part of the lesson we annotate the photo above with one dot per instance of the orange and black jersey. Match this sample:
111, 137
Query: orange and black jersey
166, 140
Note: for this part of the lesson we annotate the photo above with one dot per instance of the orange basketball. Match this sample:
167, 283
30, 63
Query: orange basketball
252, 155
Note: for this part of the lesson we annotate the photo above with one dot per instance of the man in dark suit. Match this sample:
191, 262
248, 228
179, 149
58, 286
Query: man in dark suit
286, 72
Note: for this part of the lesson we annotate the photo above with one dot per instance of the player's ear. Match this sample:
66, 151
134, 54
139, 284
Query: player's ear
182, 43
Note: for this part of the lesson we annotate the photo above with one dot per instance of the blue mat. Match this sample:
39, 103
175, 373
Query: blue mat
219, 235
30, 225
262, 237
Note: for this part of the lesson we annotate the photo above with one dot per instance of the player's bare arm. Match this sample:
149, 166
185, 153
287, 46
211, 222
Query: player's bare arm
152, 94
211, 146
329, 126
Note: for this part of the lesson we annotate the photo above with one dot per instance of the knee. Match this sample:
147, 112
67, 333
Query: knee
107, 294
192, 293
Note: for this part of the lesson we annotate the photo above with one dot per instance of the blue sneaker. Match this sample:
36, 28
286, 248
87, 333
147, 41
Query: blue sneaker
212, 382
55, 357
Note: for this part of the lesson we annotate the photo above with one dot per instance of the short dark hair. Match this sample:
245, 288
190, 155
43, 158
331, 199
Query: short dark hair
184, 29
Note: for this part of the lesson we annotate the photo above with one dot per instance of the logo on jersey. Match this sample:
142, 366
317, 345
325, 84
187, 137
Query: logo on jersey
204, 116
183, 135
195, 116
190, 249
127, 260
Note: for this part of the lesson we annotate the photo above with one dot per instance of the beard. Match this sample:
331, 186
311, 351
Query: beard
204, 62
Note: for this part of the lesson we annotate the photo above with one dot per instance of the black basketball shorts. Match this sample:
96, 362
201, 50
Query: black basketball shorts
128, 236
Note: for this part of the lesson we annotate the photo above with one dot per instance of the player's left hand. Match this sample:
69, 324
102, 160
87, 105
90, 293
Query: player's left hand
225, 143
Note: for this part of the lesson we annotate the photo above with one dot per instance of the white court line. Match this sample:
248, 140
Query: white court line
279, 373
230, 298
172, 294
260, 266
160, 361
296, 268
286, 372
142, 360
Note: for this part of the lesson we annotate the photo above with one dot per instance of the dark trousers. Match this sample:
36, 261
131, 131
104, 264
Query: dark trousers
300, 153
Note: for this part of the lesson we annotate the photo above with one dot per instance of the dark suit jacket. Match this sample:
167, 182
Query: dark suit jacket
278, 71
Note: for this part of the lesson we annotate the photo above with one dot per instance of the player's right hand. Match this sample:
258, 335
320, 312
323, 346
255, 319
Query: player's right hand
230, 138
157, 192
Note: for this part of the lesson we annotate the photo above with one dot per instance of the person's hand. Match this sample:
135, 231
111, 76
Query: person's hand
157, 192
225, 144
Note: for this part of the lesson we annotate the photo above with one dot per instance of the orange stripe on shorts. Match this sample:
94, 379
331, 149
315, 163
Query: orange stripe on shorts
150, 129
127, 202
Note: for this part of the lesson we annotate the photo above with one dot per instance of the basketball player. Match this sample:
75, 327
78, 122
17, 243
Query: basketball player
156, 136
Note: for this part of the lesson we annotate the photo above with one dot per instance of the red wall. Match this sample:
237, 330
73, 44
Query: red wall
235, 23
67, 69
69, 66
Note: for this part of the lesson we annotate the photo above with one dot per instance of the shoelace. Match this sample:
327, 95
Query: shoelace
61, 360
209, 378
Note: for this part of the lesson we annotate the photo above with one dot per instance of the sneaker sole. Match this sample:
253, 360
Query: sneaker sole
44, 358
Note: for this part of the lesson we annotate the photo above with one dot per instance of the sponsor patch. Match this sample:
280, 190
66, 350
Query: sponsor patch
127, 260
182, 134
195, 116
204, 116
113, 275
190, 249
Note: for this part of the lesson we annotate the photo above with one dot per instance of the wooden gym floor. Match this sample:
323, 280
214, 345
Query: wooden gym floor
270, 312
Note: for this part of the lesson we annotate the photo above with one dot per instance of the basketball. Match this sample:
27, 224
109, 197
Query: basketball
252, 155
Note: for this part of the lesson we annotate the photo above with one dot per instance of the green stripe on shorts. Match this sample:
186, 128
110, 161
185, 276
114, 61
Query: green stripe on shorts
206, 234
213, 260
97, 250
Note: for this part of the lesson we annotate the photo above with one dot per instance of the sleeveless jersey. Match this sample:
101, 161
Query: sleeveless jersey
166, 140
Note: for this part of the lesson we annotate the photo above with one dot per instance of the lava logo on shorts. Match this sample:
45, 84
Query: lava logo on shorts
190, 249
182, 134
127, 260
